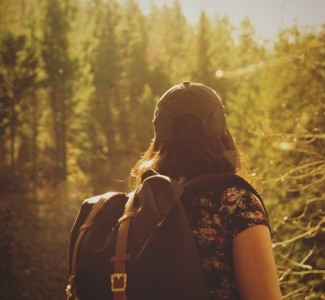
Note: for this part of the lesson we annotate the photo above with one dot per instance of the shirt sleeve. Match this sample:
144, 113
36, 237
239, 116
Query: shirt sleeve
248, 210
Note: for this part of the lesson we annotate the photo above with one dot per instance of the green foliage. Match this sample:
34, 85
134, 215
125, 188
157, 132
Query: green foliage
17, 80
282, 108
204, 69
78, 85
59, 71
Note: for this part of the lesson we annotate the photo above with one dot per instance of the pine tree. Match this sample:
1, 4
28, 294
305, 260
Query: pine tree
17, 78
59, 69
133, 46
204, 68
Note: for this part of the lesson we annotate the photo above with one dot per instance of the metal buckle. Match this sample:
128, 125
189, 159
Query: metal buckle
118, 282
69, 292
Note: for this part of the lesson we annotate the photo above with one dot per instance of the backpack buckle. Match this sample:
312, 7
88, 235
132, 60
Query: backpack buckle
69, 292
118, 282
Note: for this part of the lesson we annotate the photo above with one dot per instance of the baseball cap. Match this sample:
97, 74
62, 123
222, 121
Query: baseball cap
198, 107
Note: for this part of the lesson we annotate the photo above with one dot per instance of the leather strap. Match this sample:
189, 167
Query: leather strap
119, 277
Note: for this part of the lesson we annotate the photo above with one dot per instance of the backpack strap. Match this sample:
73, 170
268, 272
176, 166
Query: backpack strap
153, 185
119, 276
97, 206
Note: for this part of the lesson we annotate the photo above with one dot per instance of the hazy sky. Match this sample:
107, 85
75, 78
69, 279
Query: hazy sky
268, 16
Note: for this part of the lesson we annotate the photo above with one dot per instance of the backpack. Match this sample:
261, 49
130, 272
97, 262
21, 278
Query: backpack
140, 245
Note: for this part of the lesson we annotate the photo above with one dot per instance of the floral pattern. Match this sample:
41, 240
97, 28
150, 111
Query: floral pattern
215, 219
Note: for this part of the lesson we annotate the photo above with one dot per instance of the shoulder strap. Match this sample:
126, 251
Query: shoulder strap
154, 188
119, 276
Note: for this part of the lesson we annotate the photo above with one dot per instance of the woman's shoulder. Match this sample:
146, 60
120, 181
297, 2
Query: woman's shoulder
244, 207
236, 205
238, 195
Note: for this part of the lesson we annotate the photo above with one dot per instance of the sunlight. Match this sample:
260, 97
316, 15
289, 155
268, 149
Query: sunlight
267, 16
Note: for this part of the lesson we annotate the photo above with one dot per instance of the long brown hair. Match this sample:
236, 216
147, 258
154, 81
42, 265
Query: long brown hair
184, 159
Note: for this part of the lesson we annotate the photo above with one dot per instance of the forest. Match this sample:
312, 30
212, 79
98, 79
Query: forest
79, 80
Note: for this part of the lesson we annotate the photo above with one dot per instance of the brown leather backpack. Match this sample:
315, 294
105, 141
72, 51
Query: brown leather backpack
139, 246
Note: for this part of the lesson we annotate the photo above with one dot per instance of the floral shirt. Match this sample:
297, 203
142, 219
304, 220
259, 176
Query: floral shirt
215, 219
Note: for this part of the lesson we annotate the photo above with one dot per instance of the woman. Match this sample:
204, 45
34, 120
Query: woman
231, 229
